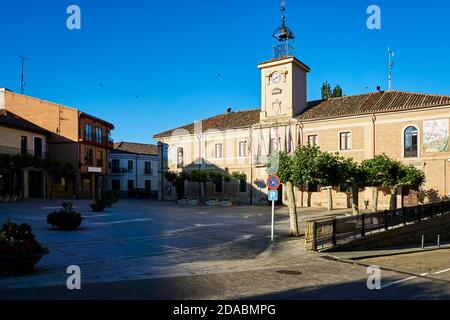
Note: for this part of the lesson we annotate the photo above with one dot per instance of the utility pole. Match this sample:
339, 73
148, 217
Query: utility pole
390, 67
22, 77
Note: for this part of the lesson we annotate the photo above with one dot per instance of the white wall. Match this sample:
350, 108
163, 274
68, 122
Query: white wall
137, 174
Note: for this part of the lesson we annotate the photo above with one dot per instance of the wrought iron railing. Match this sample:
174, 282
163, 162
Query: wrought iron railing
331, 232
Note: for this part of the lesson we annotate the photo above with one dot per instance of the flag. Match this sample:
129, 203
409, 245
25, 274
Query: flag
270, 142
250, 140
289, 146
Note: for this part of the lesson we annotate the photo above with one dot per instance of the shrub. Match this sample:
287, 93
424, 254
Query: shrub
109, 198
99, 205
66, 218
18, 240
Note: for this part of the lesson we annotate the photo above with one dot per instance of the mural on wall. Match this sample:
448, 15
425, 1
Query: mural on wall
435, 135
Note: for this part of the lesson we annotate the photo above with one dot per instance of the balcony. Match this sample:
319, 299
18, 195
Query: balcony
103, 141
119, 170
13, 151
148, 172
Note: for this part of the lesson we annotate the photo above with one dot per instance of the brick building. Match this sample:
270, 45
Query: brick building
411, 127
75, 136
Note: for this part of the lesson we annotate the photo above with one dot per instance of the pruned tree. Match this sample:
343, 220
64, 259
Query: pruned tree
56, 170
355, 176
328, 173
286, 172
177, 179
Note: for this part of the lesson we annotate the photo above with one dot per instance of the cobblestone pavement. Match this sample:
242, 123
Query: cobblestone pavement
434, 264
154, 250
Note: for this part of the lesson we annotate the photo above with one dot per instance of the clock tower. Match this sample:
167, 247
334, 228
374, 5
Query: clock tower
283, 79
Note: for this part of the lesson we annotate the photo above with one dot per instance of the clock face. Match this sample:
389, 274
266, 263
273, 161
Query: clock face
276, 77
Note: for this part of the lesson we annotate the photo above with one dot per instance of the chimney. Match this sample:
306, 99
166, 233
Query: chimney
229, 110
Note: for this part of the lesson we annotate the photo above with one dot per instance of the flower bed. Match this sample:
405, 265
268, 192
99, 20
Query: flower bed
19, 250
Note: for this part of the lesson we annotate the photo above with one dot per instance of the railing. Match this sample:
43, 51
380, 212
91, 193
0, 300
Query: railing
119, 170
148, 172
13, 151
331, 232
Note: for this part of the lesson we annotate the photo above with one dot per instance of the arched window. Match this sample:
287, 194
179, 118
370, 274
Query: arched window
411, 149
180, 158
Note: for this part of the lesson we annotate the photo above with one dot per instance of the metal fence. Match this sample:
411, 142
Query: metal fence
330, 232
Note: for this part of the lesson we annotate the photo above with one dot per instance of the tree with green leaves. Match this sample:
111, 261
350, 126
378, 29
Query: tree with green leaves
326, 91
328, 173
355, 176
385, 172
285, 168
337, 91
177, 179
56, 170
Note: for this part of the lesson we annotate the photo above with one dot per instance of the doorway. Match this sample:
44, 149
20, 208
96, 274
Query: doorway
35, 183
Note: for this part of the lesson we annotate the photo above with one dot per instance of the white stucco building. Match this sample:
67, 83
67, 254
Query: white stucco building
133, 166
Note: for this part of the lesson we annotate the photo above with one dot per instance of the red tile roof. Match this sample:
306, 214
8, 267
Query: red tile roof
375, 102
135, 148
231, 120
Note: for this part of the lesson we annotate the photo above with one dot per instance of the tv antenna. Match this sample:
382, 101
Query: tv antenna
22, 76
390, 67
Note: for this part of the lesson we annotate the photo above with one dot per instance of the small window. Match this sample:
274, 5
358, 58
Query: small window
115, 184
130, 165
99, 135
242, 186
24, 145
148, 168
313, 140
115, 166
411, 142
242, 148
86, 183
180, 158
218, 151
99, 158
38, 147
88, 132
345, 141
89, 158
130, 184
148, 185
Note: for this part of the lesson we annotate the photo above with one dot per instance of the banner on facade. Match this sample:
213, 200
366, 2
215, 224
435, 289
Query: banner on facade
435, 135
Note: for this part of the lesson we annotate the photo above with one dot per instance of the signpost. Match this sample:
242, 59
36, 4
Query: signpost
273, 183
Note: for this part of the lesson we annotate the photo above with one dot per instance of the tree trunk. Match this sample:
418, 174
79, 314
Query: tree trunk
294, 231
14, 181
393, 200
330, 198
374, 199
52, 188
355, 199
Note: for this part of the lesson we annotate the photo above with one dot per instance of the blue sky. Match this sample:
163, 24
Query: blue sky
148, 66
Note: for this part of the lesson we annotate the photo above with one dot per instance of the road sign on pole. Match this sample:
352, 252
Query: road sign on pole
272, 196
273, 182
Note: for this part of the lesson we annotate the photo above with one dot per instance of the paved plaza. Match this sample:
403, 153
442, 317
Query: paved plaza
152, 250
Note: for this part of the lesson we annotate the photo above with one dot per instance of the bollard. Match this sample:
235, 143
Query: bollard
439, 241
423, 242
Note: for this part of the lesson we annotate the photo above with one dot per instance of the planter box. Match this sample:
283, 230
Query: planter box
192, 202
98, 207
212, 203
20, 263
69, 225
225, 203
